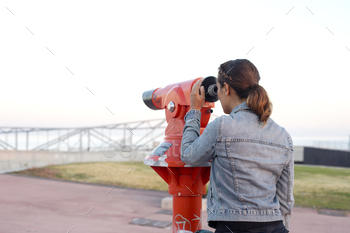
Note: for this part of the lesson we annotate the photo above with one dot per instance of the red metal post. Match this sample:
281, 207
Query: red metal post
186, 183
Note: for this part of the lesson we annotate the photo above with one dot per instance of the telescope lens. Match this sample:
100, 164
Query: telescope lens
213, 90
147, 99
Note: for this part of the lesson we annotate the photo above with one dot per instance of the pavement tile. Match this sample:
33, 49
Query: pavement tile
42, 205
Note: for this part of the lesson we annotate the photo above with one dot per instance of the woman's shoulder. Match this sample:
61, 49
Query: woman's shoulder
280, 131
276, 125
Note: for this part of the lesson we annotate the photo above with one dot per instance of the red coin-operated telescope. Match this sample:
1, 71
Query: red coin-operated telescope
186, 183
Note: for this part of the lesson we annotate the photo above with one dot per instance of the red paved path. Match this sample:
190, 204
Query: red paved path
41, 205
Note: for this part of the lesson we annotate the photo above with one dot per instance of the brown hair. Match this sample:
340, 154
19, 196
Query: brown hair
243, 77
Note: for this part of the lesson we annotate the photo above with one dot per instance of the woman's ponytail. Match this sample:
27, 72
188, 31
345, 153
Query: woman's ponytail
243, 77
258, 101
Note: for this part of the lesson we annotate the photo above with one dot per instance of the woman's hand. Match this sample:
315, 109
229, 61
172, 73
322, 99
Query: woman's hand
197, 100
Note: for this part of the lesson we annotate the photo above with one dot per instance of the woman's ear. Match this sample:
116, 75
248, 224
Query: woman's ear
227, 89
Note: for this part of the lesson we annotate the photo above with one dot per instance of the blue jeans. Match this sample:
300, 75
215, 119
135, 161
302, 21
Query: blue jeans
277, 228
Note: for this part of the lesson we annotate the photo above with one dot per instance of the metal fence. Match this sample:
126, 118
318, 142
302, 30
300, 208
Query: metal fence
138, 135
134, 135
335, 145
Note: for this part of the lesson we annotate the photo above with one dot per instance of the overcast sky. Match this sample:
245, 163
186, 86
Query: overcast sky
64, 63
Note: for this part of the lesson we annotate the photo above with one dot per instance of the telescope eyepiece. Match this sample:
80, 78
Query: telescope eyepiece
210, 88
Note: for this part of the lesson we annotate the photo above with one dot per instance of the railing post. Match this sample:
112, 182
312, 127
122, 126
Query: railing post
27, 140
88, 148
16, 139
81, 144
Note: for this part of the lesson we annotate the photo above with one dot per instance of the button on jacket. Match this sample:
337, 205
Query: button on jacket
252, 167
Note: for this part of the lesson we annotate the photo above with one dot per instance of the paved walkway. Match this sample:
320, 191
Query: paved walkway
42, 205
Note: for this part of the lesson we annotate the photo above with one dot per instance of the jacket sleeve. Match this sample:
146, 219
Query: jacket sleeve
198, 149
285, 190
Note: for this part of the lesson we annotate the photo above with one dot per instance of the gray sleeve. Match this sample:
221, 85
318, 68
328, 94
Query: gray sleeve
198, 149
284, 187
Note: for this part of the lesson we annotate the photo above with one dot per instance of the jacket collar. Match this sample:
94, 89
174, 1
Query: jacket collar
242, 106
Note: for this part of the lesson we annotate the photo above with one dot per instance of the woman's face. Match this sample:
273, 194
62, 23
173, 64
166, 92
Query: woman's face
223, 97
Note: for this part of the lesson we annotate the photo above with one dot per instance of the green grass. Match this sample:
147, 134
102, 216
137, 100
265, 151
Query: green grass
108, 173
316, 187
322, 187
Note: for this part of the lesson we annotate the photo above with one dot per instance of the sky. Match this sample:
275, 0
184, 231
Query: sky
87, 63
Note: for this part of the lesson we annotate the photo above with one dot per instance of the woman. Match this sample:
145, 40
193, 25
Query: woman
252, 168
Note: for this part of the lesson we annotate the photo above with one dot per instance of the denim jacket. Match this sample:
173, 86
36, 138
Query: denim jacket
252, 167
